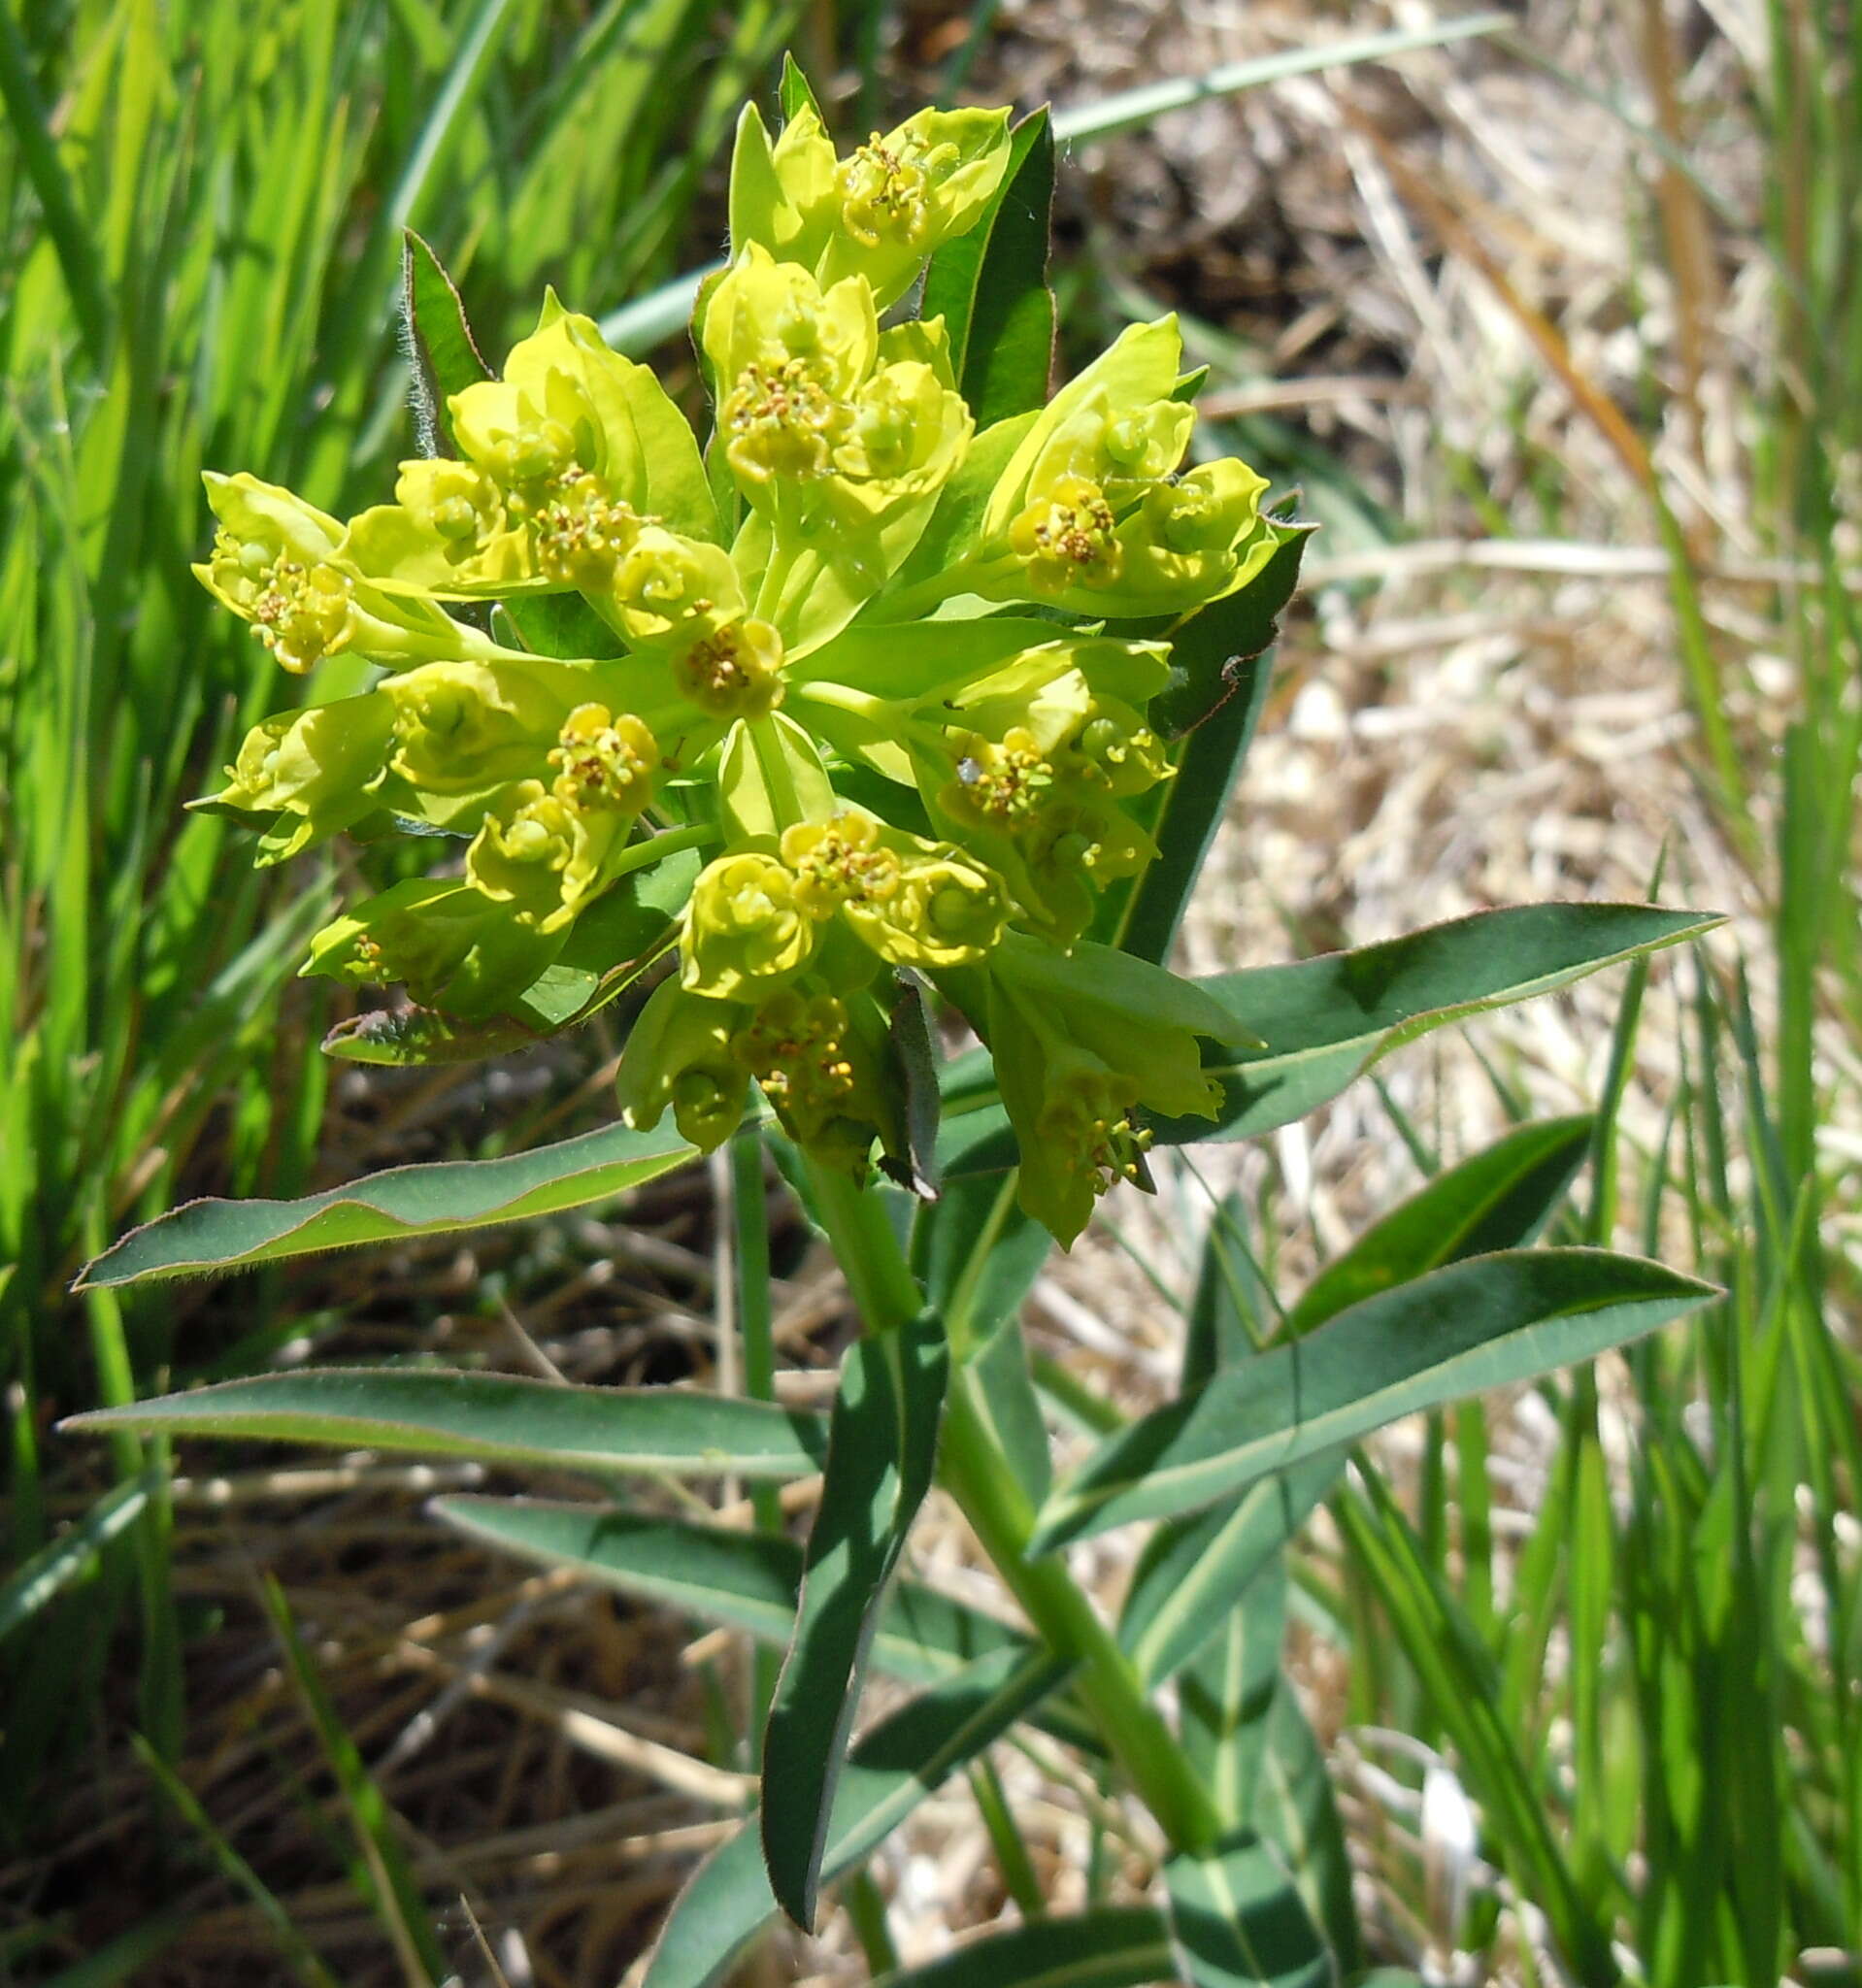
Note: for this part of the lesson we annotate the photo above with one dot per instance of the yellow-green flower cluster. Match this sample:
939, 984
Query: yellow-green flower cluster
861, 657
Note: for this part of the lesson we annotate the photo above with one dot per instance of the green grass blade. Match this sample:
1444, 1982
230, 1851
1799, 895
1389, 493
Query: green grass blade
392, 1893
292, 1946
56, 1565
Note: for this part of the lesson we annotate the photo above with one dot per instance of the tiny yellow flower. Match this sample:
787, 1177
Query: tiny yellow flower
734, 670
744, 926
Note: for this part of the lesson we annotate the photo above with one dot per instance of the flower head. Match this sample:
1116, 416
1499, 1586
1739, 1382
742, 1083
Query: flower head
857, 695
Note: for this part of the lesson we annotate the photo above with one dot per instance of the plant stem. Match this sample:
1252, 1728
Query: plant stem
973, 1470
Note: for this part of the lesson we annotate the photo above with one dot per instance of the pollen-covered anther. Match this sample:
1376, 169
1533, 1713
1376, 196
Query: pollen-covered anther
1091, 1121
781, 421
1004, 784
303, 614
839, 863
604, 761
884, 194
795, 1049
581, 533
1069, 533
735, 671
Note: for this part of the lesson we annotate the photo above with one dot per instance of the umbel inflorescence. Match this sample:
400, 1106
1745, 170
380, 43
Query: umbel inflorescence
859, 694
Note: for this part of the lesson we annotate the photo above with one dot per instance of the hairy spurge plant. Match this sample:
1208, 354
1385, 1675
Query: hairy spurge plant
913, 690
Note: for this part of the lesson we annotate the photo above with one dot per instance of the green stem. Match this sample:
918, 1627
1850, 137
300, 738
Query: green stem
978, 1475
655, 848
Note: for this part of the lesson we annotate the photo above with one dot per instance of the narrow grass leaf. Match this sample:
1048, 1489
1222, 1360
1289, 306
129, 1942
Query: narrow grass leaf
1116, 1946
203, 1236
991, 286
494, 1418
1237, 1921
1483, 1324
1327, 1020
905, 1758
64, 1560
126, 1957
883, 1440
292, 1946
396, 1899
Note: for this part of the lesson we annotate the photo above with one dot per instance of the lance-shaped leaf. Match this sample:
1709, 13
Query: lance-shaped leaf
903, 1759
883, 1441
1501, 1198
1327, 1020
1483, 1324
1243, 1731
442, 355
741, 1580
991, 286
495, 1419
1237, 1921
1194, 1571
1195, 1574
1116, 1946
202, 1236
1222, 663
750, 1581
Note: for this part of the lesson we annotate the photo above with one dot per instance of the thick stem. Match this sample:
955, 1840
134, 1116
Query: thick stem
978, 1475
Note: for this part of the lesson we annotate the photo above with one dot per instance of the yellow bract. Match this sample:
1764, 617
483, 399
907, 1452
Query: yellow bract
743, 642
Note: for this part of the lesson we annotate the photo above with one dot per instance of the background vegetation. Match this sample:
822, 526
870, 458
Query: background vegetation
1558, 329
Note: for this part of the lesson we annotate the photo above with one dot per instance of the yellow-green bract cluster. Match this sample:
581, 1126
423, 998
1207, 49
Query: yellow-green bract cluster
850, 591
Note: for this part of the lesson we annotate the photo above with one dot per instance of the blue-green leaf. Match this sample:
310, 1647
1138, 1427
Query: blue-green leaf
1195, 1574
495, 1417
1485, 1323
1325, 1022
903, 1759
883, 1441
1238, 1920
383, 1207
991, 286
1116, 1946
1500, 1198
744, 1581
